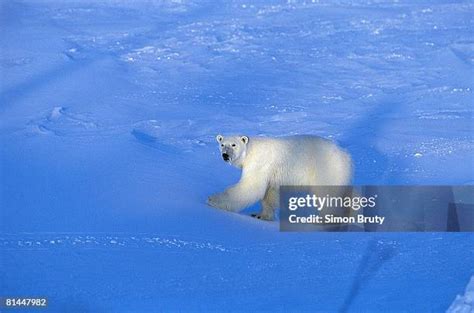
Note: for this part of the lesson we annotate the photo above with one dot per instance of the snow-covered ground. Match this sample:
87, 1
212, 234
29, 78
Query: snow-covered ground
464, 303
108, 113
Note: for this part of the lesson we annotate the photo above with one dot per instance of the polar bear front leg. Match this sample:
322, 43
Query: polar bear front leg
270, 202
218, 201
239, 196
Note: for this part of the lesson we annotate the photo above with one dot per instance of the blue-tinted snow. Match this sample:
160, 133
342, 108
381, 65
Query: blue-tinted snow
464, 303
108, 112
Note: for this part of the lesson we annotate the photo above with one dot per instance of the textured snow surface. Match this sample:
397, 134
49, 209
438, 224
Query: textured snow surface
464, 303
108, 114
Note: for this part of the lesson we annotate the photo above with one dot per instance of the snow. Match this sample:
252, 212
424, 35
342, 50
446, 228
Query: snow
465, 303
108, 115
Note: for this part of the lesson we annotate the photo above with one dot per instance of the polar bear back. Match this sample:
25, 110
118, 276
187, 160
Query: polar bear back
298, 160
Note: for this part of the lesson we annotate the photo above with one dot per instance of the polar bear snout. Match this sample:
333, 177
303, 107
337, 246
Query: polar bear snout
225, 156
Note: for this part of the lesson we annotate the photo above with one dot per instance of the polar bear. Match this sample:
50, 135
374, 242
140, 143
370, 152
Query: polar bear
268, 163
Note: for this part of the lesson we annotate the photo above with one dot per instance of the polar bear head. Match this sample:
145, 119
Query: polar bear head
233, 148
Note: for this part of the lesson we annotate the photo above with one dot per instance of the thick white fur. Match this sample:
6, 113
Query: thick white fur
268, 163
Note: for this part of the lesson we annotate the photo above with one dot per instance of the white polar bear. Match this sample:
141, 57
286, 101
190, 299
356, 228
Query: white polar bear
268, 163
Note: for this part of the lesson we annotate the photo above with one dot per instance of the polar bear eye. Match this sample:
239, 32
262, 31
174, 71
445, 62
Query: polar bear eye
222, 145
233, 145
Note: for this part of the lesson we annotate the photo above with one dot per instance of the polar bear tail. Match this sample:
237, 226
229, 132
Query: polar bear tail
344, 168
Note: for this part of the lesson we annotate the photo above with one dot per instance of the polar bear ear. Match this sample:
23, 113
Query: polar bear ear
244, 139
219, 138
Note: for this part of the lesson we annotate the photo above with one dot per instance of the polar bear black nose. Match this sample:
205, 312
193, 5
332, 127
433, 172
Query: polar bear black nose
225, 156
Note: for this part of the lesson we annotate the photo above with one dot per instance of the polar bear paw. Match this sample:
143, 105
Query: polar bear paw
261, 217
217, 201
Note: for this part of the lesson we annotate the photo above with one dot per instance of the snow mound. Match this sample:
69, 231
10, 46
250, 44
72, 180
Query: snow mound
177, 134
465, 303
